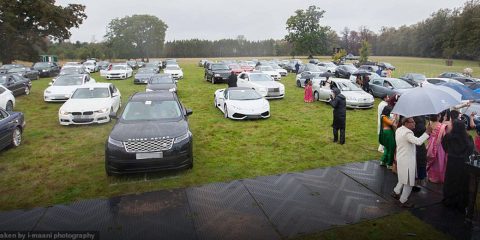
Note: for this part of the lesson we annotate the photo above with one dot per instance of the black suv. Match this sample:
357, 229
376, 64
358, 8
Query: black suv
217, 72
46, 69
151, 134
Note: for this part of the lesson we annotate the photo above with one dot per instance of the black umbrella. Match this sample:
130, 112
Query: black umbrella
361, 72
326, 74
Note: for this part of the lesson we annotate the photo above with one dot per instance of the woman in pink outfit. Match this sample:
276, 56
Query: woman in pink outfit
308, 91
436, 156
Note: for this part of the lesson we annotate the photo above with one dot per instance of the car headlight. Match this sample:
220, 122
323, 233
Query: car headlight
115, 142
44, 70
103, 110
172, 90
217, 75
183, 137
63, 112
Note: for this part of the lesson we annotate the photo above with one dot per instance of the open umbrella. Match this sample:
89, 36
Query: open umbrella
326, 74
467, 93
450, 91
474, 86
361, 72
424, 101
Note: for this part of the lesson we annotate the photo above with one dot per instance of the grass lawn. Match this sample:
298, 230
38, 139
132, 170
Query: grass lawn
57, 164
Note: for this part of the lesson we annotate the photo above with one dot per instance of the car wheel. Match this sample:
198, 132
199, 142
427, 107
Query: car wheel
225, 111
299, 84
212, 80
316, 95
16, 137
9, 106
27, 90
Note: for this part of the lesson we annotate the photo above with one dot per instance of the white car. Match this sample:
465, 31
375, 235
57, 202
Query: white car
63, 87
279, 70
269, 70
262, 83
355, 96
119, 71
91, 66
91, 103
241, 103
7, 100
329, 66
174, 70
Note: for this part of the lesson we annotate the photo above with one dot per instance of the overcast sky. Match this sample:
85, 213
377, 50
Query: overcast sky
255, 19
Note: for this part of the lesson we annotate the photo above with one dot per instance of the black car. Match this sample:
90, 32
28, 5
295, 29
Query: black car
413, 79
450, 75
143, 75
4, 68
25, 72
217, 72
151, 134
344, 71
16, 83
11, 128
162, 82
47, 69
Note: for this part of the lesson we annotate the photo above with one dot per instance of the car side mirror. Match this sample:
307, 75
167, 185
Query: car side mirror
189, 112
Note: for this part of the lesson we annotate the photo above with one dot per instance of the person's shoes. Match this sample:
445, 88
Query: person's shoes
334, 140
382, 164
341, 143
407, 204
416, 189
389, 167
395, 195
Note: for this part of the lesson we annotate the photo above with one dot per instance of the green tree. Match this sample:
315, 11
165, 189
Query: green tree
27, 26
136, 36
305, 32
364, 51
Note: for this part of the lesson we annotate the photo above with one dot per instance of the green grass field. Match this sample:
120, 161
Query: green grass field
57, 164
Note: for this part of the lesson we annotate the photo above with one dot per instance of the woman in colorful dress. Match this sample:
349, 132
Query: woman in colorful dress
308, 98
436, 157
387, 137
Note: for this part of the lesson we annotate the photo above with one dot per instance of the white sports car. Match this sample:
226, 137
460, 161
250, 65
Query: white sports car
7, 100
91, 103
63, 87
355, 96
120, 71
175, 71
262, 83
241, 103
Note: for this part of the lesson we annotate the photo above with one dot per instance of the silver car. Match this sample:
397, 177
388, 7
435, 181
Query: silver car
355, 96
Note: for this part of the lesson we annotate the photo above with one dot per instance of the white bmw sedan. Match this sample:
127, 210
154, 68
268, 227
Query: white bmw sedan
63, 87
91, 103
175, 71
119, 71
241, 103
7, 100
262, 83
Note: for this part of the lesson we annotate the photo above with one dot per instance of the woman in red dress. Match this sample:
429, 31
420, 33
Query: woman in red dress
308, 98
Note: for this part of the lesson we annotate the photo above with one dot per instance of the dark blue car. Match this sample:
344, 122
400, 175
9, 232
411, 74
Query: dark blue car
11, 128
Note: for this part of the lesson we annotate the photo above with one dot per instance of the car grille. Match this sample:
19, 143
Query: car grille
273, 90
148, 145
80, 113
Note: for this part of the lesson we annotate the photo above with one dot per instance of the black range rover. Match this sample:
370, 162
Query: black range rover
151, 134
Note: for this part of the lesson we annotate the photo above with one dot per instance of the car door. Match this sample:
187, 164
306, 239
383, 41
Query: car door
376, 87
115, 97
13, 85
6, 128
242, 80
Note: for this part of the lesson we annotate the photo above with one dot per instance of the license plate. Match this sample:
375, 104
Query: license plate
149, 155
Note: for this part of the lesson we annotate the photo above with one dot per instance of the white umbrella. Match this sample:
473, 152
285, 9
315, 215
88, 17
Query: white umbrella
424, 101
450, 91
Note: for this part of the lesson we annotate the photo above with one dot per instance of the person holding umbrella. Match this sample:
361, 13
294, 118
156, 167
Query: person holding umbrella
232, 80
339, 115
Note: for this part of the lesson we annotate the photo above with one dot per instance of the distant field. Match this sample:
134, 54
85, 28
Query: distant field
57, 164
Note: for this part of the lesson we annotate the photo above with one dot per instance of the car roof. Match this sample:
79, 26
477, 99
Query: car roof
237, 88
152, 96
101, 85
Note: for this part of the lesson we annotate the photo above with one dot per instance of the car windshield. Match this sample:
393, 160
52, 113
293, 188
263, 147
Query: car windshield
70, 70
41, 64
172, 68
119, 67
88, 63
418, 77
16, 70
314, 68
348, 86
350, 68
243, 95
68, 80
234, 66
399, 84
146, 70
161, 79
84, 93
265, 68
151, 110
220, 67
260, 77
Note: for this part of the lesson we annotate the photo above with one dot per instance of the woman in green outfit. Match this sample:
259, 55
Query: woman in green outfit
387, 137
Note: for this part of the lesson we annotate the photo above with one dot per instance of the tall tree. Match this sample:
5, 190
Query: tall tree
136, 36
364, 51
27, 26
305, 32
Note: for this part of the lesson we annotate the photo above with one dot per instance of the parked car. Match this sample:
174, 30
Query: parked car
162, 82
47, 69
15, 83
132, 64
73, 69
4, 68
370, 68
64, 86
344, 71
235, 67
246, 67
201, 63
119, 71
217, 72
241, 103
355, 96
90, 103
263, 83
386, 65
25, 72
312, 68
450, 75
330, 66
151, 134
143, 75
12, 125
414, 79
438, 81
152, 65
7, 100
302, 77
174, 70
270, 71
279, 69
102, 65
380, 87
91, 66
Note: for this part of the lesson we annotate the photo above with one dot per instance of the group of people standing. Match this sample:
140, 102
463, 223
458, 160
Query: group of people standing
441, 160
363, 82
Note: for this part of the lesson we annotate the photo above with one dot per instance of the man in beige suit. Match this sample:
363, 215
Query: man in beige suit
406, 162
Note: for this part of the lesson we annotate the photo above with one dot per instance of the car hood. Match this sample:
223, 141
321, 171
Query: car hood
356, 94
268, 84
117, 71
125, 130
249, 104
270, 72
82, 105
161, 86
62, 89
172, 71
